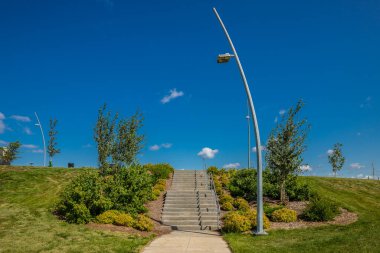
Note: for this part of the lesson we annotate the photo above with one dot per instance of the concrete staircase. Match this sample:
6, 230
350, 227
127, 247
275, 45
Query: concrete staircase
191, 203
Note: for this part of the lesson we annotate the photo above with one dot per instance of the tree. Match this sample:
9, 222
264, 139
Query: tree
104, 136
285, 147
336, 158
10, 153
52, 145
128, 141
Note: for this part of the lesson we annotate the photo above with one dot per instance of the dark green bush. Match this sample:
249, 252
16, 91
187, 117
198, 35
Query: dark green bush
243, 184
212, 170
320, 209
268, 210
159, 171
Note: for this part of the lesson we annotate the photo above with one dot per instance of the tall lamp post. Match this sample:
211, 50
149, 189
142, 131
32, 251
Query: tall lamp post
223, 59
43, 137
249, 137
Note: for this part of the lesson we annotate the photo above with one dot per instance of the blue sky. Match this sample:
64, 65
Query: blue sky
64, 59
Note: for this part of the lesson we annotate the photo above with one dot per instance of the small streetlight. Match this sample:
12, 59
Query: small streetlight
43, 137
223, 58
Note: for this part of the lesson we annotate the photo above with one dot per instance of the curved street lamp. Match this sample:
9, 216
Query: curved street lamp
43, 137
223, 58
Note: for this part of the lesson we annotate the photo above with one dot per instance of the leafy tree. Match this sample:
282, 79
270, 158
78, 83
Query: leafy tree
285, 147
52, 145
104, 137
128, 141
336, 158
10, 153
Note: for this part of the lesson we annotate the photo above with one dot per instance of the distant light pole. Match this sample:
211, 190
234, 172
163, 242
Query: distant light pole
249, 137
43, 137
225, 58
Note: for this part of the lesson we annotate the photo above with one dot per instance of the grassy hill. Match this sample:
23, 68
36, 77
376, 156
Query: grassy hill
359, 196
27, 196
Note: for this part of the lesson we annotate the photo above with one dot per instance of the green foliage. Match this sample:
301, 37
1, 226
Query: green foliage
336, 158
128, 190
241, 204
236, 222
243, 184
252, 216
9, 153
268, 210
227, 206
286, 146
52, 144
225, 198
108, 217
159, 171
212, 170
320, 209
143, 223
124, 219
284, 215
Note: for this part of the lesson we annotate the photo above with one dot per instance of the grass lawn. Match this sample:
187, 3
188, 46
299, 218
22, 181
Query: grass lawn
359, 196
27, 196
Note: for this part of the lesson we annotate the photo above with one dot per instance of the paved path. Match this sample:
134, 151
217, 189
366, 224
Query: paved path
189, 242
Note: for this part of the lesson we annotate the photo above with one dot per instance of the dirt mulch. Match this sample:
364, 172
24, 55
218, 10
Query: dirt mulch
154, 212
344, 218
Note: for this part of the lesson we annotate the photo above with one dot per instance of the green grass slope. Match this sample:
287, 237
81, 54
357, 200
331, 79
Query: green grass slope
27, 196
359, 196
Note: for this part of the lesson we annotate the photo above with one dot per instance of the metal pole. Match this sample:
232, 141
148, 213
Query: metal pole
249, 137
260, 210
43, 137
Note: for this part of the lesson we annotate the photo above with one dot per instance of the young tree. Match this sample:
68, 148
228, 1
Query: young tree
104, 136
10, 153
52, 145
128, 141
336, 158
285, 147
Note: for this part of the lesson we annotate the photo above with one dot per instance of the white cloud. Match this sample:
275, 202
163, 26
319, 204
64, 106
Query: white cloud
356, 166
37, 151
2, 125
263, 148
27, 131
154, 147
208, 153
330, 152
282, 112
31, 146
306, 168
173, 94
231, 166
158, 147
20, 118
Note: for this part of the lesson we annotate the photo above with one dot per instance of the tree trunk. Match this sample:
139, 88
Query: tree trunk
282, 192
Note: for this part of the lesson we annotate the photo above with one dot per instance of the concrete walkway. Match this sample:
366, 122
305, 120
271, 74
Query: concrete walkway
189, 242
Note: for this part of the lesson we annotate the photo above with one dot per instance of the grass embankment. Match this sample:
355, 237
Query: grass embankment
27, 198
359, 196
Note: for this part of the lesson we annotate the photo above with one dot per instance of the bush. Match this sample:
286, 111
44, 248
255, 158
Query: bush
268, 210
79, 214
225, 198
156, 192
284, 215
227, 206
252, 216
320, 209
124, 219
159, 187
236, 222
243, 184
159, 171
212, 170
241, 204
108, 217
143, 223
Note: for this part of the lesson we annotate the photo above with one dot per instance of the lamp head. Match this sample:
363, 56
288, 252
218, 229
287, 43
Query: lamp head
223, 58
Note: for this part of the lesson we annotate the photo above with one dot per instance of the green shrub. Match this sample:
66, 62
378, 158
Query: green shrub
79, 214
143, 223
227, 206
225, 198
236, 222
124, 219
212, 170
224, 180
252, 216
243, 184
268, 210
241, 204
159, 187
159, 171
320, 209
156, 192
284, 215
108, 217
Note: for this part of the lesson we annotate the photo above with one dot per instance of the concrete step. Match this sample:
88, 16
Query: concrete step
179, 209
183, 222
181, 205
179, 218
187, 227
